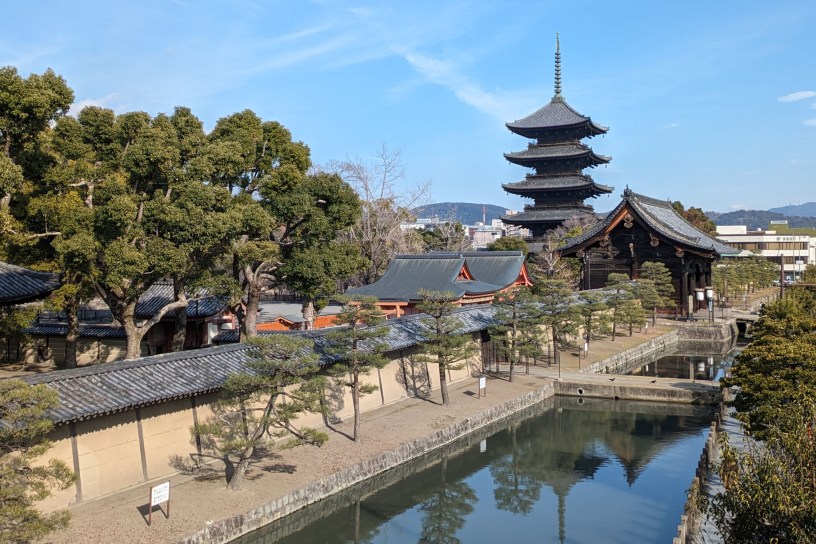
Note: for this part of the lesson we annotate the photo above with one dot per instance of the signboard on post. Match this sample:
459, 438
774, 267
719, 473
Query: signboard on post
159, 494
482, 386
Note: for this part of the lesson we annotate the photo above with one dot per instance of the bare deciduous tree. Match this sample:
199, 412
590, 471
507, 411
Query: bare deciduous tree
386, 204
548, 261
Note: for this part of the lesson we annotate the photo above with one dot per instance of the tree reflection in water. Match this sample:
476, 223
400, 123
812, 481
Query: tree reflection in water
459, 493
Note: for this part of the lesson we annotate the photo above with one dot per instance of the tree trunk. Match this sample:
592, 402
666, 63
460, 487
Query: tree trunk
308, 315
249, 321
180, 330
133, 340
72, 336
240, 469
355, 398
614, 324
443, 383
133, 334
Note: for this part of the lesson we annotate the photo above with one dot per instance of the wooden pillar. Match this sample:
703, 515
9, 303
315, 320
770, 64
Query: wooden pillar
587, 271
684, 292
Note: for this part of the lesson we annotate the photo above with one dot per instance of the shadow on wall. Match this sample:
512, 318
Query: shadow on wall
413, 376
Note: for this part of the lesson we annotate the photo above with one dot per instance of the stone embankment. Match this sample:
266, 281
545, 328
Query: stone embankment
231, 528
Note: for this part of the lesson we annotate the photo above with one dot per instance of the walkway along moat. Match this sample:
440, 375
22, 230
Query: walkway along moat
582, 385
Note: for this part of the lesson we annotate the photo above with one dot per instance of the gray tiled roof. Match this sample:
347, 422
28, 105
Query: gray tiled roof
19, 285
113, 387
561, 151
42, 329
556, 114
161, 293
408, 274
533, 215
660, 216
555, 183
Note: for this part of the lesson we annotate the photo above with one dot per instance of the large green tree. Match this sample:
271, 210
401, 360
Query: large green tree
24, 426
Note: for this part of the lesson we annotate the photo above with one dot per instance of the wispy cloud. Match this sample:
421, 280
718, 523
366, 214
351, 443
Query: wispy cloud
467, 91
737, 206
107, 101
798, 95
810, 122
671, 125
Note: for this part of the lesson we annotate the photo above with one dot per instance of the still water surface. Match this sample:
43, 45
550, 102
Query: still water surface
568, 470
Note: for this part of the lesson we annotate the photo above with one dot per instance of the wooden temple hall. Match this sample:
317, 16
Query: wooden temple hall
638, 230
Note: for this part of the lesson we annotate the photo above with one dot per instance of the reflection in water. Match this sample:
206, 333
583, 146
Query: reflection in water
601, 471
686, 366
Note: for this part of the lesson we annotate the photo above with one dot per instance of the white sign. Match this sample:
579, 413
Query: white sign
483, 446
160, 493
482, 383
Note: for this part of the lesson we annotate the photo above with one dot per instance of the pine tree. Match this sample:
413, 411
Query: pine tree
263, 402
357, 347
445, 344
23, 429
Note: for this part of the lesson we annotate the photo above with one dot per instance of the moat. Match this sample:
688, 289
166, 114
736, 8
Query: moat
566, 470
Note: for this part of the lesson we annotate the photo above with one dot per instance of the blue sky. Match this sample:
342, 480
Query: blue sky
712, 103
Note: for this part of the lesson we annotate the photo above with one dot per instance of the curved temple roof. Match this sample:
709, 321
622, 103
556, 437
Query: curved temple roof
555, 183
660, 216
537, 153
97, 390
19, 285
555, 115
407, 274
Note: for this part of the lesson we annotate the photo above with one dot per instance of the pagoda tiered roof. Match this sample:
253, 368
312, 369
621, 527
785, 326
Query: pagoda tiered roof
536, 154
535, 183
555, 115
548, 215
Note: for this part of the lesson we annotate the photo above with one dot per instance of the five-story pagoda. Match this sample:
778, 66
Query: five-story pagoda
558, 187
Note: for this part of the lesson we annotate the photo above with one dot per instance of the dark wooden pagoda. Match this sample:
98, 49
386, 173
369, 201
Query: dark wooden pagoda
558, 186
642, 229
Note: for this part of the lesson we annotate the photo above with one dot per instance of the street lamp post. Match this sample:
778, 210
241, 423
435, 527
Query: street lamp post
699, 295
709, 295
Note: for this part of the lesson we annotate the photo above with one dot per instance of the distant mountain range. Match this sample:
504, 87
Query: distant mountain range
464, 212
798, 216
808, 209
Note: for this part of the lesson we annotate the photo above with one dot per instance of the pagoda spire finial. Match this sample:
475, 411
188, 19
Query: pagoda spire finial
557, 65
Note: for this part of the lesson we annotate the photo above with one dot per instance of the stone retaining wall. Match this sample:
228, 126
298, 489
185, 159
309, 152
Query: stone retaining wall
622, 362
231, 528
691, 512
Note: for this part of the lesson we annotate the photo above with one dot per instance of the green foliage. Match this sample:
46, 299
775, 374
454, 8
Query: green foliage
262, 403
509, 243
697, 217
357, 347
769, 486
631, 314
558, 311
24, 481
517, 331
779, 363
620, 292
654, 287
445, 343
770, 494
593, 311
739, 277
